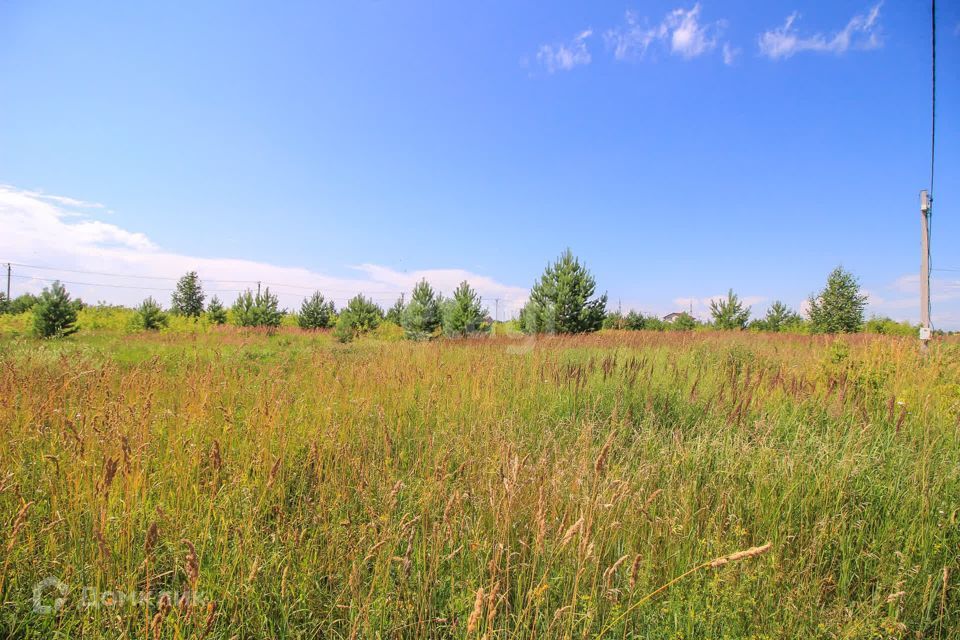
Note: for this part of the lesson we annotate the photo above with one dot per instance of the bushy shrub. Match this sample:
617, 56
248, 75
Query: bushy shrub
890, 327
54, 314
316, 312
260, 310
839, 307
22, 303
106, 317
359, 316
215, 311
150, 315
729, 313
683, 322
779, 317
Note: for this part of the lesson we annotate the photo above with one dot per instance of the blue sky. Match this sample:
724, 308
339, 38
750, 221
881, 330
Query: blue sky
679, 149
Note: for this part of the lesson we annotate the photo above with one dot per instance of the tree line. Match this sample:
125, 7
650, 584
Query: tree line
563, 300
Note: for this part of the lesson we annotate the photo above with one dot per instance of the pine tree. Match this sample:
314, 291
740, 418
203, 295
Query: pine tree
464, 315
316, 312
729, 313
216, 312
395, 313
359, 316
562, 300
187, 300
422, 316
54, 315
839, 307
260, 310
150, 316
779, 317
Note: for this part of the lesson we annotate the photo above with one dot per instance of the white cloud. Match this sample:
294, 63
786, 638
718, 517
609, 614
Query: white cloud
689, 38
730, 53
632, 40
861, 32
565, 56
903, 303
50, 231
680, 33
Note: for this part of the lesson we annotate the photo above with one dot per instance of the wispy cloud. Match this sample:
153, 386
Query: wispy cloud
730, 53
680, 33
901, 300
862, 32
567, 55
55, 231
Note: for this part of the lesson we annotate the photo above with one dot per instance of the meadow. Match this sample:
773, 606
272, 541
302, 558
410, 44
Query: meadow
619, 485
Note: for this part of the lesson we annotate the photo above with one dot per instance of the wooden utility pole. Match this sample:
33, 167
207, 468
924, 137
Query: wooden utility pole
926, 205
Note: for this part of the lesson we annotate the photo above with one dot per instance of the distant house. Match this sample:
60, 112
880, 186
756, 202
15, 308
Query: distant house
670, 317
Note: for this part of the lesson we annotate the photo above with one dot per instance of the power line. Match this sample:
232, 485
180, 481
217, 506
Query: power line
933, 88
174, 279
116, 286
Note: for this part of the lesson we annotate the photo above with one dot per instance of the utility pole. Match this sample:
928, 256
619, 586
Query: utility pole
496, 312
8, 282
926, 197
926, 207
258, 287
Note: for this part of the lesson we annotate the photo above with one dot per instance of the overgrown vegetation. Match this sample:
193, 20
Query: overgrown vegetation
560, 302
591, 486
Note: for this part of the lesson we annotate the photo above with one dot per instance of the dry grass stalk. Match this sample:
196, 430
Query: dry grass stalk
163, 608
635, 570
216, 460
476, 613
208, 624
752, 552
612, 569
541, 519
274, 470
601, 459
151, 540
571, 532
18, 523
191, 564
492, 603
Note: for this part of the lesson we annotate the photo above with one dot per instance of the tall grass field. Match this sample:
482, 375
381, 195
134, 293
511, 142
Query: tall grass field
237, 484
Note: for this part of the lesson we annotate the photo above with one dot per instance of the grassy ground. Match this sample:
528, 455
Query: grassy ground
498, 488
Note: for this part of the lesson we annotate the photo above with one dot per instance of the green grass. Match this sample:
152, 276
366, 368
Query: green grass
371, 489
